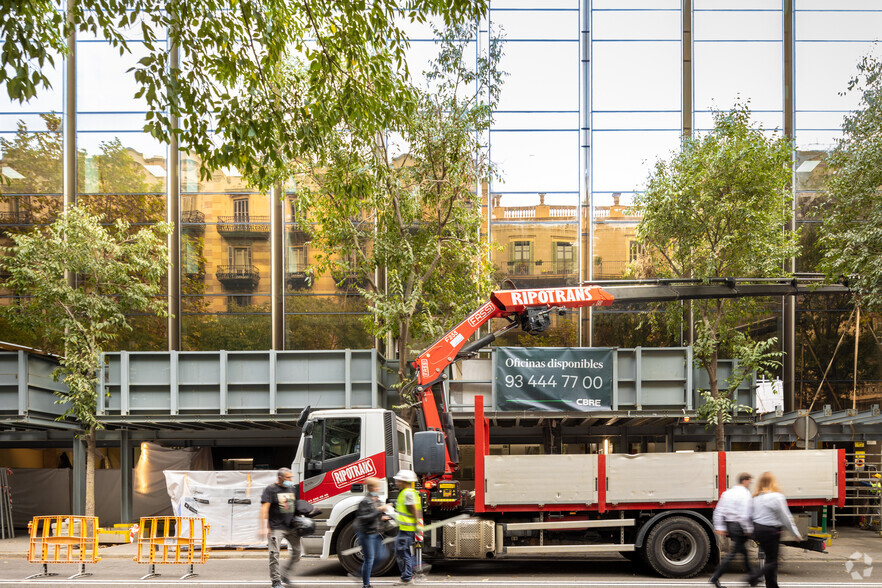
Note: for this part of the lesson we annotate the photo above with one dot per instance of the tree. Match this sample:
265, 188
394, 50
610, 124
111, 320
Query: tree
118, 272
259, 82
415, 219
718, 208
851, 234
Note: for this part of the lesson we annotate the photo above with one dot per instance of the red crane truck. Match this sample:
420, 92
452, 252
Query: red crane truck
655, 506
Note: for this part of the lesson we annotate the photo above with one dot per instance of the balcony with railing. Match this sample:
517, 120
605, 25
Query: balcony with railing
255, 227
193, 221
542, 274
238, 277
15, 220
297, 279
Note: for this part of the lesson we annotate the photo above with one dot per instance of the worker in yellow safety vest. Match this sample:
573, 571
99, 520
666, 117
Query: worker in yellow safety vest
409, 514
876, 483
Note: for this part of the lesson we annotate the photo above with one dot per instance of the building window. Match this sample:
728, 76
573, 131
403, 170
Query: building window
235, 303
521, 257
240, 257
296, 260
634, 251
191, 254
240, 209
564, 262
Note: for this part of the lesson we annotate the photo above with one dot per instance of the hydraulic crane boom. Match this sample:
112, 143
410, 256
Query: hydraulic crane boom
530, 309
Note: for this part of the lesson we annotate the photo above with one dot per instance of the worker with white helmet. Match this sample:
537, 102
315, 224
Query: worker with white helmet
408, 512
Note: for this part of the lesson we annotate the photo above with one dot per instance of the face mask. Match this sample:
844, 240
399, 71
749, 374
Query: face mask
373, 493
288, 483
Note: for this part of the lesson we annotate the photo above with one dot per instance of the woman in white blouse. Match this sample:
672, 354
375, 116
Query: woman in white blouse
770, 517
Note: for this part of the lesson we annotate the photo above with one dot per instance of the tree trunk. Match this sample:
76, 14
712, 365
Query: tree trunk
402, 353
714, 387
90, 472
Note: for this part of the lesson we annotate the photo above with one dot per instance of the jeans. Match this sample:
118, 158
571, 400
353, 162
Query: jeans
371, 543
403, 543
769, 539
274, 546
739, 545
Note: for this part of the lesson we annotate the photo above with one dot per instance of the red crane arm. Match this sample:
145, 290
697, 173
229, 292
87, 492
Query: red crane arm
430, 364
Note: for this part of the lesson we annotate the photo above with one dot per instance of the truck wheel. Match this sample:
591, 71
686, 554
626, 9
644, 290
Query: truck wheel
677, 547
347, 539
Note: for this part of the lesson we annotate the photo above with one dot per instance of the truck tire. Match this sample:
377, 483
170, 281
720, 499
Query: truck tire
352, 562
677, 547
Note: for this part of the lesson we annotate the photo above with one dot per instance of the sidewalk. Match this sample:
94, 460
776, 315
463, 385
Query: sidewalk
851, 540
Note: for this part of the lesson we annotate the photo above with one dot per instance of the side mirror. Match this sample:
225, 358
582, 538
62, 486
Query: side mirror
307, 448
304, 414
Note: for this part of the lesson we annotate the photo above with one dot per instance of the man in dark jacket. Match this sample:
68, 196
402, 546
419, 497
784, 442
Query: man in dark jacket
368, 520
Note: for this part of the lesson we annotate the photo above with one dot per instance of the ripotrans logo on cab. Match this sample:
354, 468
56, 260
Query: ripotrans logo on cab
360, 469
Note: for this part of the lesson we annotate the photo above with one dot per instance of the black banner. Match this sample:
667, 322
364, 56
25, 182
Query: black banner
554, 378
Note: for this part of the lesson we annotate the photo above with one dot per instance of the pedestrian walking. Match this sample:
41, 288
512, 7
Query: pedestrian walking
732, 518
278, 506
408, 512
770, 517
368, 521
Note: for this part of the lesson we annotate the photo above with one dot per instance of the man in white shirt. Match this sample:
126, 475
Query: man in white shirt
732, 517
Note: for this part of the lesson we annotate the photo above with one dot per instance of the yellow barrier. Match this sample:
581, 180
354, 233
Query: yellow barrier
63, 539
172, 540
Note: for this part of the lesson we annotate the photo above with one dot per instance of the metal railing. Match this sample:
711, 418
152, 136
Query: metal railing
244, 225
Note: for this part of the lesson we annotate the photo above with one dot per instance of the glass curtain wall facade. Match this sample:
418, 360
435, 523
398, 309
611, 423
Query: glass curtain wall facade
596, 91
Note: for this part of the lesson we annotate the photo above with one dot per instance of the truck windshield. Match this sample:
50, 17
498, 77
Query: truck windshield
334, 438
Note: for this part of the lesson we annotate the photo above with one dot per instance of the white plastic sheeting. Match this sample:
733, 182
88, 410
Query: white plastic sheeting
228, 500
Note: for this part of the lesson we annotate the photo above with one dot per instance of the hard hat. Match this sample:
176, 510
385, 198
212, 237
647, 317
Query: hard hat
405, 476
877, 475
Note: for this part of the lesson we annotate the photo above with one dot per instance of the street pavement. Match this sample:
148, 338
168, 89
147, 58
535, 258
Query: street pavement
848, 562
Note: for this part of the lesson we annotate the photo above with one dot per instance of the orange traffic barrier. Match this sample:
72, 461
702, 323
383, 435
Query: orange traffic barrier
172, 540
63, 539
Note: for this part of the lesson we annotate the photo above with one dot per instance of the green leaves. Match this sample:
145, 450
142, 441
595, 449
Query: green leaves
851, 206
413, 220
718, 208
119, 271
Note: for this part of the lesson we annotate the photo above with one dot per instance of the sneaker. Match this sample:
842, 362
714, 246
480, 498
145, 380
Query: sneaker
404, 582
278, 585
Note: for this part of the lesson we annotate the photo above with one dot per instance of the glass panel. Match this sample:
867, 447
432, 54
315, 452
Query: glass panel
538, 240
623, 159
104, 83
822, 74
537, 161
326, 322
636, 76
542, 76
726, 73
617, 25
741, 25
537, 24
615, 233
823, 26
240, 329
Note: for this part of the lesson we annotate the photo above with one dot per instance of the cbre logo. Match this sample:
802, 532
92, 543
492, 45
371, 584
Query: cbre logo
359, 470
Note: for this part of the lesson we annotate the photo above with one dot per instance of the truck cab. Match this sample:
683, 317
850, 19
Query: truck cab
338, 450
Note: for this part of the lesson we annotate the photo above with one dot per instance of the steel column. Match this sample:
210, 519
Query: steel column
69, 126
277, 263
586, 233
173, 213
126, 477
78, 476
789, 334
